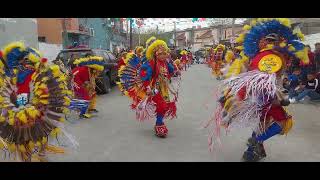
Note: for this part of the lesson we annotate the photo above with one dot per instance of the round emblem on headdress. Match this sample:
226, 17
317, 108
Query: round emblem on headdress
270, 63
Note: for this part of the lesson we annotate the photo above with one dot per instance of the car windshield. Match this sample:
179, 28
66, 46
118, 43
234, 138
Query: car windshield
69, 56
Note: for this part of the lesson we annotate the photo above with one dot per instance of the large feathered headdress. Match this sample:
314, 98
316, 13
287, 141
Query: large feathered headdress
154, 45
272, 34
94, 62
17, 51
14, 52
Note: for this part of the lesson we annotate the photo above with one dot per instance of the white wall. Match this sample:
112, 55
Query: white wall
19, 29
50, 51
311, 39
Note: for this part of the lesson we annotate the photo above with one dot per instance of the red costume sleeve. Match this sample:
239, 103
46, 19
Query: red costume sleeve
121, 63
25, 86
81, 75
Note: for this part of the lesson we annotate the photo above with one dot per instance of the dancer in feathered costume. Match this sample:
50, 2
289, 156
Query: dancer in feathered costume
148, 85
238, 63
33, 101
184, 58
178, 65
139, 51
218, 61
254, 99
84, 75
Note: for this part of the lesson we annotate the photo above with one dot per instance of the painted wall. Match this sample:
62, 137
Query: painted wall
50, 51
51, 28
100, 37
19, 29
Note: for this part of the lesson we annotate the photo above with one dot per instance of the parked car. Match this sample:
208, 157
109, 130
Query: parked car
107, 79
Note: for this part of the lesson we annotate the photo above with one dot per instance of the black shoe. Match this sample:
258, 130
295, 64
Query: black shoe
81, 116
93, 110
250, 156
257, 153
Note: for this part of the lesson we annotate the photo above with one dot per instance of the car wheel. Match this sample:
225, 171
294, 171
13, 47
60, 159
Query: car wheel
104, 85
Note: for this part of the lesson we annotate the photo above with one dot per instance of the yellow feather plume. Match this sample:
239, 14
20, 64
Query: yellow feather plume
14, 80
283, 44
22, 148
150, 50
11, 117
43, 101
31, 145
55, 70
183, 52
246, 27
91, 59
285, 22
303, 55
291, 48
33, 113
240, 39
12, 147
67, 101
22, 116
150, 39
229, 56
33, 58
35, 100
253, 23
96, 67
11, 46
44, 140
2, 119
1, 145
38, 143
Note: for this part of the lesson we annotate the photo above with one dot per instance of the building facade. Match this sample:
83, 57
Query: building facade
196, 38
19, 29
50, 30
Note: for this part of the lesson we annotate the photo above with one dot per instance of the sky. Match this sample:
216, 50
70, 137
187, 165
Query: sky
167, 24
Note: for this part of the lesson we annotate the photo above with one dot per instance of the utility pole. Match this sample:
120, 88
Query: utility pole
130, 34
139, 36
174, 34
233, 22
64, 33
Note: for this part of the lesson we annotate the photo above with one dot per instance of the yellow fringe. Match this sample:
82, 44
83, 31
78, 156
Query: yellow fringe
7, 49
150, 50
55, 149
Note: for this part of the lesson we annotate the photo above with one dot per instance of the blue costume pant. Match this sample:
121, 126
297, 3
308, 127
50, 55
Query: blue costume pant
272, 130
79, 105
159, 120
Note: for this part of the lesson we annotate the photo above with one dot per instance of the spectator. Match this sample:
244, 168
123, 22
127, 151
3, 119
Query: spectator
312, 65
294, 81
317, 56
295, 63
311, 89
286, 85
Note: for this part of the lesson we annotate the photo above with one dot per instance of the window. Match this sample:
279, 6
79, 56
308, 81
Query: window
42, 39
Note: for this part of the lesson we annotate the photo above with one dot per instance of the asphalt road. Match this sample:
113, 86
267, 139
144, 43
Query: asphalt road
115, 135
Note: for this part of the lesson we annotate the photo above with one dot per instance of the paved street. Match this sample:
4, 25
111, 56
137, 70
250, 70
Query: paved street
115, 135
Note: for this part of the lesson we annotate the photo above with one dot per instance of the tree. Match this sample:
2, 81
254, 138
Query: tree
224, 21
165, 36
